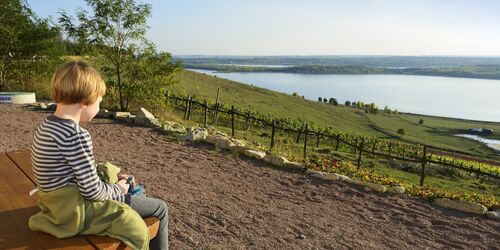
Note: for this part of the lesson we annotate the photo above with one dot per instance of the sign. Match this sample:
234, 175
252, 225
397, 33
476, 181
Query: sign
6, 99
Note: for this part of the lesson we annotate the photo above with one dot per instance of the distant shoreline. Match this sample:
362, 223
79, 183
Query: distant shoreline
456, 72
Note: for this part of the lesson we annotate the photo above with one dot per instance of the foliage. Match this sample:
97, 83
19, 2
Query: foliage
115, 37
29, 47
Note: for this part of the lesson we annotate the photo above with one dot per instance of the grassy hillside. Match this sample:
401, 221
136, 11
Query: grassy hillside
435, 131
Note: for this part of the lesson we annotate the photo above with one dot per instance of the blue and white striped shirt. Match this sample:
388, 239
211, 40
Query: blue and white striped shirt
62, 155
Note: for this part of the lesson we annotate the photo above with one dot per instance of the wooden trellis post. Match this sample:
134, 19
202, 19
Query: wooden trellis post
337, 138
190, 102
317, 139
273, 133
360, 151
424, 160
186, 109
305, 141
205, 114
298, 135
232, 121
247, 120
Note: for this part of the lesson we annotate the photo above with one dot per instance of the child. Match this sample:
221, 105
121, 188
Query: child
63, 159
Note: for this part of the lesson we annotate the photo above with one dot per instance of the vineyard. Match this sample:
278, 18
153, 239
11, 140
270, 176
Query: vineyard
426, 166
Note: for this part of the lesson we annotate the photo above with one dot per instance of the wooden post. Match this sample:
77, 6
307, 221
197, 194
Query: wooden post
187, 108
215, 113
205, 114
305, 141
247, 121
190, 102
298, 135
337, 138
216, 106
374, 145
317, 139
273, 132
424, 160
355, 144
360, 151
232, 121
390, 148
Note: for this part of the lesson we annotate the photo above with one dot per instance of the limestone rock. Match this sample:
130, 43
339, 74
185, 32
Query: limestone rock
342, 177
376, 187
196, 135
42, 106
173, 127
145, 118
121, 115
462, 206
224, 143
291, 164
313, 172
330, 176
275, 160
255, 154
397, 190
367, 189
493, 214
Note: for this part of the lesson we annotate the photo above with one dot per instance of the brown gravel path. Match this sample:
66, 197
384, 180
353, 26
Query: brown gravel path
219, 201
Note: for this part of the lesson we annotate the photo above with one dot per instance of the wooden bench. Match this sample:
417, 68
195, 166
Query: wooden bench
16, 206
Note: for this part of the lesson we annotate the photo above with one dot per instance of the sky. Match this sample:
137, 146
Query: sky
316, 27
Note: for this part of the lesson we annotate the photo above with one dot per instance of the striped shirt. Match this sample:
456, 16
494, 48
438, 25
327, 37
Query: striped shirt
62, 155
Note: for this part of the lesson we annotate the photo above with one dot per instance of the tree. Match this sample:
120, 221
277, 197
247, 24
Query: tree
115, 36
333, 101
325, 100
320, 99
401, 131
421, 121
295, 94
347, 103
28, 46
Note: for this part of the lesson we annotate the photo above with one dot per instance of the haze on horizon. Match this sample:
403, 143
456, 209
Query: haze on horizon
317, 27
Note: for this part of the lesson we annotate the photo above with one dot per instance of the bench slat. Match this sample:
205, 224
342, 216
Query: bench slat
23, 160
16, 206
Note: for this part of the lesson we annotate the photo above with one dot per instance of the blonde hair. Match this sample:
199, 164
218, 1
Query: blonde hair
76, 82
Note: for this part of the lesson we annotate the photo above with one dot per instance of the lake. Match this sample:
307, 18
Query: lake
467, 98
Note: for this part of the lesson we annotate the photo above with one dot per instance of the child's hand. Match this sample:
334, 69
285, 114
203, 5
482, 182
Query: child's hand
123, 176
124, 185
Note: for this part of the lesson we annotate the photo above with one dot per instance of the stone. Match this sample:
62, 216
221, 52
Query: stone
330, 176
275, 160
301, 236
313, 172
376, 187
104, 113
342, 177
254, 154
493, 214
367, 189
212, 139
224, 143
130, 119
173, 127
196, 135
42, 106
461, 206
145, 118
121, 115
396, 190
291, 164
